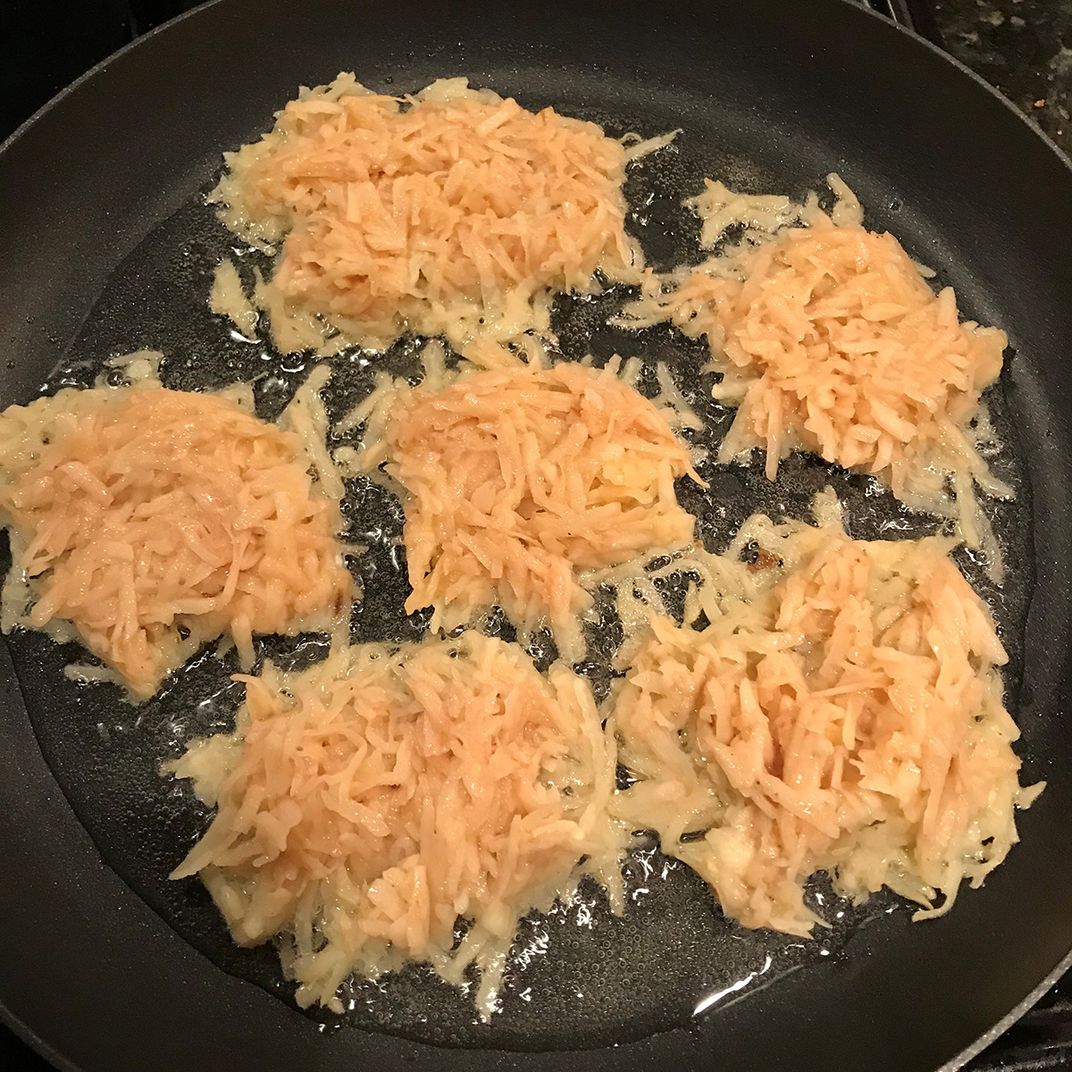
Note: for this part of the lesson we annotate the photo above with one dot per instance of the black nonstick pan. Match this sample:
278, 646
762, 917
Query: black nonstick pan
107, 246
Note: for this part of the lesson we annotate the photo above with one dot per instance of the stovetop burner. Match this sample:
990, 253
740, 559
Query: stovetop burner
1039, 1042
55, 50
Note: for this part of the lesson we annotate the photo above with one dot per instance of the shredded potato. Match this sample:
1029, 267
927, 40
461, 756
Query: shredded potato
227, 298
150, 521
830, 341
517, 477
452, 212
819, 705
367, 805
842, 712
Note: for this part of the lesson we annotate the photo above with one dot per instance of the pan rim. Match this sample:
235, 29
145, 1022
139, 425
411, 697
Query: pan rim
18, 133
1010, 1018
46, 1050
855, 5
35, 1042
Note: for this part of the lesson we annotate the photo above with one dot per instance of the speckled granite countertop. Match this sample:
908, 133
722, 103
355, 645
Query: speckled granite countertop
1024, 47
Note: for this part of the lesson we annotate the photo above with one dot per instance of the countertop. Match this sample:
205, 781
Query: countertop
1024, 48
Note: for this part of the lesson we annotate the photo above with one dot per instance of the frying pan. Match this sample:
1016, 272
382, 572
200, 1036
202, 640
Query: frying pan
107, 247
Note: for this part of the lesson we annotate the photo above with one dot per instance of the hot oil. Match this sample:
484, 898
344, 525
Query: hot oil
578, 976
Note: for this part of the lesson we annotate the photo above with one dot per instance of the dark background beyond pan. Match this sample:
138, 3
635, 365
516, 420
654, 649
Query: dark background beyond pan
778, 96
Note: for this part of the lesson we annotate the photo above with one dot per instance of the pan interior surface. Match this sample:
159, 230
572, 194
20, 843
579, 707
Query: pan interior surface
768, 100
